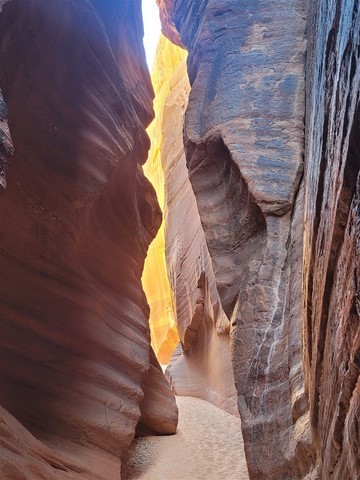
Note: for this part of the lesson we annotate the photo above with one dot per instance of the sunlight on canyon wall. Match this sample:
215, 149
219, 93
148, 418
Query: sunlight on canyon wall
164, 337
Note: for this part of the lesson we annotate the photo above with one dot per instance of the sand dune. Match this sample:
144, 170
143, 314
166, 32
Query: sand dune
208, 446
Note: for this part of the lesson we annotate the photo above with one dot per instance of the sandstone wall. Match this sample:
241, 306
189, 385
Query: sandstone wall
164, 336
332, 237
77, 217
284, 247
201, 366
6, 146
244, 145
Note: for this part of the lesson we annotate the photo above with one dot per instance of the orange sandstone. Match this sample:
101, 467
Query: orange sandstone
164, 337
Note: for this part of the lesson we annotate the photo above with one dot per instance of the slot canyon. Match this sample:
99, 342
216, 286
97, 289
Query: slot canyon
180, 248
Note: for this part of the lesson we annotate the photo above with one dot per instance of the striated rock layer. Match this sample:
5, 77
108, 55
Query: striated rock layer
6, 146
77, 217
244, 147
332, 237
288, 283
201, 365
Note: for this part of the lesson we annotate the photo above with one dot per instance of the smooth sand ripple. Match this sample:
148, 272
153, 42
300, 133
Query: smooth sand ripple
208, 446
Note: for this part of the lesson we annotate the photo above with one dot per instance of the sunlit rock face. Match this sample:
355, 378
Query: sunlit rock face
244, 136
201, 365
164, 336
332, 237
77, 217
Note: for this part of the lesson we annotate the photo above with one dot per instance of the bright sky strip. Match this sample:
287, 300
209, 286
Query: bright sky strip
152, 29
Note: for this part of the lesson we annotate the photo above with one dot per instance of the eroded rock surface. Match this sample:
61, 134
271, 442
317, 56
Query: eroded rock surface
166, 9
244, 148
201, 366
332, 238
292, 296
77, 217
164, 336
6, 146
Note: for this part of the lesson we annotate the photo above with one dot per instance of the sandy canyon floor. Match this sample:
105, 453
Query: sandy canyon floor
207, 446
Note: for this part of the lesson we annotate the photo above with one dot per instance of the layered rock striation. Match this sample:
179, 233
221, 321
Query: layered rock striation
332, 237
76, 369
284, 247
201, 365
244, 146
6, 146
164, 336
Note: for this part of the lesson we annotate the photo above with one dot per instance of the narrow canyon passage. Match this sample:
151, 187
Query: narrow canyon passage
241, 148
207, 446
185, 311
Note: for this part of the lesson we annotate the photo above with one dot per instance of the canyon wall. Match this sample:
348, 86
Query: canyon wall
6, 146
332, 237
288, 282
164, 336
201, 365
77, 215
244, 146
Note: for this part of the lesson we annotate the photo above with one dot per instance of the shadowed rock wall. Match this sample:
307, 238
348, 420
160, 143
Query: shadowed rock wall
284, 248
6, 146
332, 237
244, 145
76, 220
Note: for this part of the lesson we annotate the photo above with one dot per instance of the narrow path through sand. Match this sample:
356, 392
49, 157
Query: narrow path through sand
208, 446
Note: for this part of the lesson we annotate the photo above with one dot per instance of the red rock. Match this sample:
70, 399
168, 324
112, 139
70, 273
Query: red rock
6, 146
244, 144
332, 238
158, 408
167, 15
77, 217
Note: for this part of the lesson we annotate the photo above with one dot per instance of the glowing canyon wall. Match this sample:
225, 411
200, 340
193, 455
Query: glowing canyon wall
201, 365
77, 215
164, 336
283, 243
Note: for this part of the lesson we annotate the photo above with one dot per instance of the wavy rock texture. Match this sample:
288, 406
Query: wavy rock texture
332, 238
77, 217
201, 366
244, 134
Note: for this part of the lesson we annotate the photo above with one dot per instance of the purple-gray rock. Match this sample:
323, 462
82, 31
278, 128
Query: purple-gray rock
284, 247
